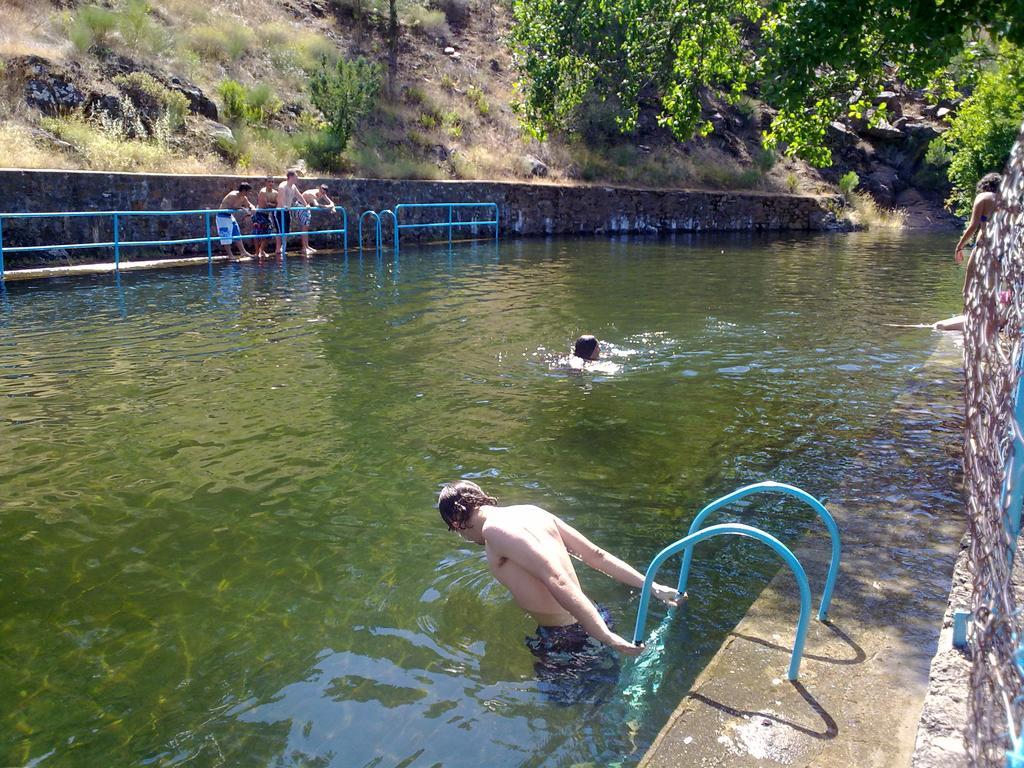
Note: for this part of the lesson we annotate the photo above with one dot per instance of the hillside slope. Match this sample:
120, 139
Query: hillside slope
157, 85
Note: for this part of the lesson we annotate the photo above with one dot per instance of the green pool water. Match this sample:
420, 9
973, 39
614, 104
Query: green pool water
218, 540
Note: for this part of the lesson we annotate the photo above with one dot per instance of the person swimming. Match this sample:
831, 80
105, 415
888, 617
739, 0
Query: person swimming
586, 348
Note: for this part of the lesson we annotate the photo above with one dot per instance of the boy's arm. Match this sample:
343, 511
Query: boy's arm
609, 564
525, 553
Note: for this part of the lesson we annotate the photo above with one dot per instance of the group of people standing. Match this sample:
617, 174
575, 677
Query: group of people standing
279, 208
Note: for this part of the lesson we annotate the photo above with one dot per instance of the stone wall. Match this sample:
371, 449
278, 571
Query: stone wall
526, 209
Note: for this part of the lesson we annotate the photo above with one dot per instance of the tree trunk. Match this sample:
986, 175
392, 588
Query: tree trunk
393, 32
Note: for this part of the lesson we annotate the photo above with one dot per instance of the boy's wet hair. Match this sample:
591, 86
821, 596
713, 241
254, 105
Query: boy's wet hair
989, 182
585, 347
458, 501
245, 186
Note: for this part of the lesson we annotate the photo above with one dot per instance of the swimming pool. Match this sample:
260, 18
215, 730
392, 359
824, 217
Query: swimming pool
218, 541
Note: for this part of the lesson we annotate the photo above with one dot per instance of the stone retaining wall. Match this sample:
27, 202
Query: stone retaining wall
526, 209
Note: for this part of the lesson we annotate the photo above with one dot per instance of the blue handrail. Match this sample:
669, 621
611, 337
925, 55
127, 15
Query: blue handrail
773, 487
733, 529
377, 230
449, 223
116, 244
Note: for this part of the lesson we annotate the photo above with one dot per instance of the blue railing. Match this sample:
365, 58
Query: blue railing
733, 529
118, 218
790, 490
450, 223
696, 534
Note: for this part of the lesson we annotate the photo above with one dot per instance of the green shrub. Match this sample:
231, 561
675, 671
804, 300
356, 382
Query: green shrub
982, 133
747, 108
848, 182
413, 95
765, 160
478, 100
91, 26
175, 105
228, 40
452, 122
430, 22
447, 84
792, 183
345, 94
322, 151
254, 106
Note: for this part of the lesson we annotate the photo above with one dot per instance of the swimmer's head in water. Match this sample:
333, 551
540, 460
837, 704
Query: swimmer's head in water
989, 183
587, 348
458, 501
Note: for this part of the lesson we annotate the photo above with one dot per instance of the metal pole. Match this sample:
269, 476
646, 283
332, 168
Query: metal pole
449, 226
394, 215
209, 243
117, 244
1, 247
344, 234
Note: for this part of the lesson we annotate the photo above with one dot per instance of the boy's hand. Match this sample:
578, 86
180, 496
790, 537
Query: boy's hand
667, 594
625, 647
958, 257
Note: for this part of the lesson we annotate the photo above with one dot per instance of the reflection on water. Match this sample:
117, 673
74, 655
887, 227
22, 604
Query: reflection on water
218, 539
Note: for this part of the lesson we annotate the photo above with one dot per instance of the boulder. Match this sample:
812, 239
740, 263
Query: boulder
533, 166
920, 131
884, 130
942, 113
449, 50
219, 131
48, 87
839, 133
884, 183
893, 106
198, 102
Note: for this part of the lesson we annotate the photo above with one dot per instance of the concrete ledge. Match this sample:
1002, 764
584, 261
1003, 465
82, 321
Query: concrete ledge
864, 673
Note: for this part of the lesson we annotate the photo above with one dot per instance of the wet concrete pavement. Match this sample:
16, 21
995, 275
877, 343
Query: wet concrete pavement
864, 673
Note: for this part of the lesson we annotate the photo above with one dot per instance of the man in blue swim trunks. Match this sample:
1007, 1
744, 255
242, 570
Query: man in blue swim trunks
235, 201
528, 550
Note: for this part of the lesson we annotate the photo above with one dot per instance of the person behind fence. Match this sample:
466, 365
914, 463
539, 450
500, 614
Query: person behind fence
314, 198
235, 202
288, 197
263, 219
528, 550
985, 202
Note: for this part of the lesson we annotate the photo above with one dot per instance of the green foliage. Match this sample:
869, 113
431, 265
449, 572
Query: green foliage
426, 20
792, 183
253, 106
819, 57
447, 84
849, 182
95, 27
478, 100
345, 94
982, 133
323, 150
428, 119
452, 122
815, 61
765, 160
614, 52
226, 41
174, 104
413, 95
91, 26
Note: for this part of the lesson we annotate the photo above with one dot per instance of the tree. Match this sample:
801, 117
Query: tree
345, 95
815, 60
983, 131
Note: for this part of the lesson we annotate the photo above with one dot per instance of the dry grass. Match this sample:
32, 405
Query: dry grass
97, 149
30, 28
867, 213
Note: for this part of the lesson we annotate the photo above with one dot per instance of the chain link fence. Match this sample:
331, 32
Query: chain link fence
994, 474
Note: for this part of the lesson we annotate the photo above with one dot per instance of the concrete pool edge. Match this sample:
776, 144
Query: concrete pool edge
877, 648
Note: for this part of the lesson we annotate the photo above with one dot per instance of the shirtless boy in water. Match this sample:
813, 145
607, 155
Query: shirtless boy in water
528, 551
